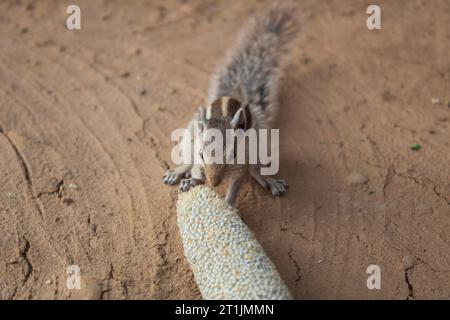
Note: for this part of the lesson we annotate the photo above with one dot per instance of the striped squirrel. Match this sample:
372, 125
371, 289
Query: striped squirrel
243, 94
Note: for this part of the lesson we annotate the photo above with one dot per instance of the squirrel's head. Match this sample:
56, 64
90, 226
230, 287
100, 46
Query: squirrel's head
224, 113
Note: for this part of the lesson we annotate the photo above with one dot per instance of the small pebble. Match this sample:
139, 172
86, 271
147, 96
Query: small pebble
355, 179
12, 260
68, 201
435, 100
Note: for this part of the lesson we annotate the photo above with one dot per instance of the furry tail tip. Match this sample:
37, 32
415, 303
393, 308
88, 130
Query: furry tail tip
281, 20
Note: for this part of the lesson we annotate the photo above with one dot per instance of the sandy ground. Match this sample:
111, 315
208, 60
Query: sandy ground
85, 123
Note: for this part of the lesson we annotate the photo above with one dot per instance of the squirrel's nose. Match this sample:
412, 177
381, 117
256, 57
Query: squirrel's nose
213, 174
213, 181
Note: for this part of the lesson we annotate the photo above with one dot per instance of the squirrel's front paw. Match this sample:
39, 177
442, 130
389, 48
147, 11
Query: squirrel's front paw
187, 184
171, 177
277, 187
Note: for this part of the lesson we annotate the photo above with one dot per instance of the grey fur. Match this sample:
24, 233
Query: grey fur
252, 71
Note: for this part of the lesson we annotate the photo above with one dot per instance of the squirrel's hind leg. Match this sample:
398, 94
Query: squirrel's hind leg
276, 186
173, 176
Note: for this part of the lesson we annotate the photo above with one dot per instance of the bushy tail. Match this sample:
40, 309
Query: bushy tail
253, 69
272, 30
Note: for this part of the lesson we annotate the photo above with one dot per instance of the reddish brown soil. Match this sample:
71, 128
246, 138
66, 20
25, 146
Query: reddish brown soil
86, 117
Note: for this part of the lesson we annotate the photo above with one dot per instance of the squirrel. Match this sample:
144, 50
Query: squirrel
243, 94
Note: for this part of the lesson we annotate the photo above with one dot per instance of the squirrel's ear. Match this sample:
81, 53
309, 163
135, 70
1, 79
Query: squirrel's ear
241, 119
238, 119
202, 114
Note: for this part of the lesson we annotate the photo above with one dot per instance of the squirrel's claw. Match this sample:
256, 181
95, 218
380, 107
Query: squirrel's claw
187, 184
277, 187
171, 177
283, 183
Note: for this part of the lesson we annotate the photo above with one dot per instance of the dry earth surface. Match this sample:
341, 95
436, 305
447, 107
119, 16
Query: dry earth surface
85, 123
